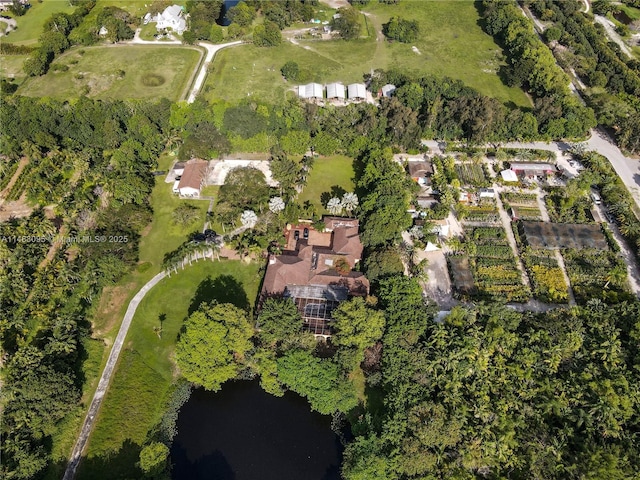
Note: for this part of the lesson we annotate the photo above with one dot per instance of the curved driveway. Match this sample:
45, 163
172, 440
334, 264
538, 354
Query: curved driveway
202, 74
89, 420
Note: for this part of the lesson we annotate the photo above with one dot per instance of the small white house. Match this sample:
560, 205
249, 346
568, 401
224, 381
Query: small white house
441, 228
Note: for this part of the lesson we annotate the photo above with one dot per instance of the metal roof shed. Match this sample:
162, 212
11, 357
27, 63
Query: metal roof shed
357, 91
335, 91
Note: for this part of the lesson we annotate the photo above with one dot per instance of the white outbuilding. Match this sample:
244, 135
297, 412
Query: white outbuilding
357, 91
335, 91
509, 176
311, 91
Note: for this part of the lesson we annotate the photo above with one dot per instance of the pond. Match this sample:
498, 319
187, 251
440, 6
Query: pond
243, 433
223, 20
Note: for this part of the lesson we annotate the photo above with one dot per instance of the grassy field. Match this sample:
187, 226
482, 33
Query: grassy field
11, 66
150, 72
328, 175
30, 24
146, 366
451, 43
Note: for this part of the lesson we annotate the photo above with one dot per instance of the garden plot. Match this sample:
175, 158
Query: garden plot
596, 273
521, 206
547, 279
461, 274
492, 264
485, 211
471, 174
565, 209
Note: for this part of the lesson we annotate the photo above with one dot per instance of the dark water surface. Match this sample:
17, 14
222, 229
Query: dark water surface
223, 20
243, 433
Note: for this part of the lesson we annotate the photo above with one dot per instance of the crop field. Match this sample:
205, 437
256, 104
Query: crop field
546, 276
486, 211
471, 174
451, 43
123, 72
596, 273
492, 264
519, 199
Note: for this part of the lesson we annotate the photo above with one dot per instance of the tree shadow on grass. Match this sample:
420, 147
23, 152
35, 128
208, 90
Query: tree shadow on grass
336, 191
222, 289
120, 464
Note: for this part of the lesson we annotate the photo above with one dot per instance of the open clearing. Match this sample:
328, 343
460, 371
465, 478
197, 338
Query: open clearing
150, 72
146, 365
451, 43
328, 176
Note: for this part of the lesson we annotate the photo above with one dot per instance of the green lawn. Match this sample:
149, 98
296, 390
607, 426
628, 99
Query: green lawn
328, 175
30, 25
11, 66
135, 400
150, 72
451, 43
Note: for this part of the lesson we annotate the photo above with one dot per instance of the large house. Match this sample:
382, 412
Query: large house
316, 270
172, 17
193, 178
420, 171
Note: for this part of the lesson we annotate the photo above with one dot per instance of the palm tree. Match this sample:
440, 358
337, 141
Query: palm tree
349, 202
334, 206
249, 219
276, 205
617, 275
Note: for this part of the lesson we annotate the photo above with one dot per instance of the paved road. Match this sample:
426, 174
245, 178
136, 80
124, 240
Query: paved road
98, 396
11, 25
202, 74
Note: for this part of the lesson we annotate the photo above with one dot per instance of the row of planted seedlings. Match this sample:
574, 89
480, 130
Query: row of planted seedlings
521, 205
547, 279
596, 273
485, 211
493, 265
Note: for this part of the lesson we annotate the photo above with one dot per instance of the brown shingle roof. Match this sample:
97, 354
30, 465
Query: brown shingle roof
193, 175
420, 169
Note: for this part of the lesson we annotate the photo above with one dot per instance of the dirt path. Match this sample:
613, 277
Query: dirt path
24, 161
202, 74
506, 223
610, 28
633, 271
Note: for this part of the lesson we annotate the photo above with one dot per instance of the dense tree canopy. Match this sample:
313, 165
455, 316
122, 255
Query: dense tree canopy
213, 344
